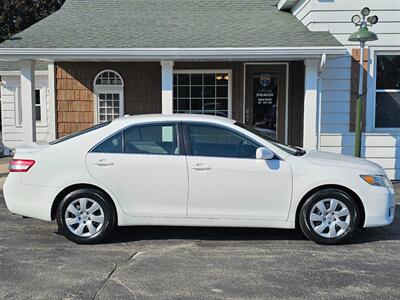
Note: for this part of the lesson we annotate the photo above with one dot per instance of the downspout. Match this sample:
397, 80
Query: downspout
319, 99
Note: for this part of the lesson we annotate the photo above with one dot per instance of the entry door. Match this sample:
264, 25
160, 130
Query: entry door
145, 168
266, 99
226, 181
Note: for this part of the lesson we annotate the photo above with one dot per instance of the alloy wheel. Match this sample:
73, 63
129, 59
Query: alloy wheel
330, 218
84, 217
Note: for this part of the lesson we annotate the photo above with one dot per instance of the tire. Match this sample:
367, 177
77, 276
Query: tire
335, 224
88, 225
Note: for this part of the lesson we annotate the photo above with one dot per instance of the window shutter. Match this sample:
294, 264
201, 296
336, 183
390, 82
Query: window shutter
355, 75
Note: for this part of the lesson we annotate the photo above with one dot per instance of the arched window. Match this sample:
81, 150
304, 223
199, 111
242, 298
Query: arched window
109, 91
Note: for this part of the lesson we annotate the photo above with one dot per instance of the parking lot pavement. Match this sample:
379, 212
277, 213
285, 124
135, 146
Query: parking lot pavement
177, 262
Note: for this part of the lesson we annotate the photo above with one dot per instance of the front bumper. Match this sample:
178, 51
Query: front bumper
380, 205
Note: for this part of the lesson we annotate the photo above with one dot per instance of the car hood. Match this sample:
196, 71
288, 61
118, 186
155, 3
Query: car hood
343, 161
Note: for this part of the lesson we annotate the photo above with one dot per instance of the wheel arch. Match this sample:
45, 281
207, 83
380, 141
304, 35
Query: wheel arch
353, 194
64, 192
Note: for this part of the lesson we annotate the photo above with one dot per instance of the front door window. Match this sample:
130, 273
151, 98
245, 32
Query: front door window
265, 102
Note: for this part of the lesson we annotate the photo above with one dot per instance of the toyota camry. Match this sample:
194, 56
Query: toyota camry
192, 170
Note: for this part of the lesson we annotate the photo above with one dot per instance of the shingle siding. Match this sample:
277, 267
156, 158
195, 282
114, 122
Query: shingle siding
75, 94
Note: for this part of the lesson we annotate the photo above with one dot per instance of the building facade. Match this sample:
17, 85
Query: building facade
284, 67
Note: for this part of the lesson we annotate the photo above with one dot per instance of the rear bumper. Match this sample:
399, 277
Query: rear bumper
380, 205
28, 200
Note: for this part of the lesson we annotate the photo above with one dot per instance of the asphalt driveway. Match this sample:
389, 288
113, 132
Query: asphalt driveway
169, 262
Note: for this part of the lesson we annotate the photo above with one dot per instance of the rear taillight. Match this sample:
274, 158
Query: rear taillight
20, 165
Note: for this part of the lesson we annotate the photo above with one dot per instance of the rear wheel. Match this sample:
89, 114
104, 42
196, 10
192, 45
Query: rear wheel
329, 217
85, 216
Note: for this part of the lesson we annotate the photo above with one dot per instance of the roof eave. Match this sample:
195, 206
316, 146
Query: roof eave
156, 54
17, 73
286, 5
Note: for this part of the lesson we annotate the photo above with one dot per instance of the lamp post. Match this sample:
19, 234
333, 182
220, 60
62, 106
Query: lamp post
362, 36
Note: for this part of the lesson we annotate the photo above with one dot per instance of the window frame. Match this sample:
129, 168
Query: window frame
107, 89
211, 71
372, 90
188, 144
43, 105
180, 138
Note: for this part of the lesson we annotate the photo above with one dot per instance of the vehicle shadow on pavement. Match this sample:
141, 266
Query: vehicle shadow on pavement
137, 233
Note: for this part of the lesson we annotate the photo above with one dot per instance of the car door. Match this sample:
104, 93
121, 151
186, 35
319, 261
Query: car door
226, 181
145, 168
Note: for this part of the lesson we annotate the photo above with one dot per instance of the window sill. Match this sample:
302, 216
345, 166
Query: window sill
385, 131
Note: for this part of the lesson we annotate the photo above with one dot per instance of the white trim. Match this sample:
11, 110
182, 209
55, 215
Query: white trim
51, 82
371, 89
201, 71
107, 89
167, 87
310, 104
287, 93
115, 54
213, 71
17, 106
28, 101
108, 70
387, 90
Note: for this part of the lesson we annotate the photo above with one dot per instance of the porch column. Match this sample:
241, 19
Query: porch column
310, 104
28, 101
167, 76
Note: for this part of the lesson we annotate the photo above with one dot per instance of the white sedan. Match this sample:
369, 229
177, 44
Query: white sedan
192, 170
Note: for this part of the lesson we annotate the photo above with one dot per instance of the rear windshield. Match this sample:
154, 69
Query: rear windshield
78, 133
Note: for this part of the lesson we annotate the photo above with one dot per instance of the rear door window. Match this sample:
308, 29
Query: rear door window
152, 139
111, 145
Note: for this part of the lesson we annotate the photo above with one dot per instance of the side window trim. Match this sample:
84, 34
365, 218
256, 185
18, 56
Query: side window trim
188, 144
177, 124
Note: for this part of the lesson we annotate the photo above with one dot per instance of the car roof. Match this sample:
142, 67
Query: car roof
174, 117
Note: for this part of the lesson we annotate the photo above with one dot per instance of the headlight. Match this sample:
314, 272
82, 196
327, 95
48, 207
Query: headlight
377, 180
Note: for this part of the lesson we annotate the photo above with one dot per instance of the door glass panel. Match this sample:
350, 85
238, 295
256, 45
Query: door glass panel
108, 106
207, 140
265, 91
151, 139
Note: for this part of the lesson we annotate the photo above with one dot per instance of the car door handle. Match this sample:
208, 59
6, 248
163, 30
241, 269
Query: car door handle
200, 167
103, 162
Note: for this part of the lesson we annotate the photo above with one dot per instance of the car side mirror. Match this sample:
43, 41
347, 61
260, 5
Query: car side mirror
264, 153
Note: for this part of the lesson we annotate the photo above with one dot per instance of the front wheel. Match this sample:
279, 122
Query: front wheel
329, 217
85, 216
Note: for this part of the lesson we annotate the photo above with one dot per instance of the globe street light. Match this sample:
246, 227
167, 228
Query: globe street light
362, 36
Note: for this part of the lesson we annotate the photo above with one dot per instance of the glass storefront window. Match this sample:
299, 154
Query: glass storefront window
201, 93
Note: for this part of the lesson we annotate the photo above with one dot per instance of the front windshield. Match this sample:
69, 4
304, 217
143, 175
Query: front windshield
287, 148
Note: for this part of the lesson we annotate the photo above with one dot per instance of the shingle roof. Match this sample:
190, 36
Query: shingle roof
169, 24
